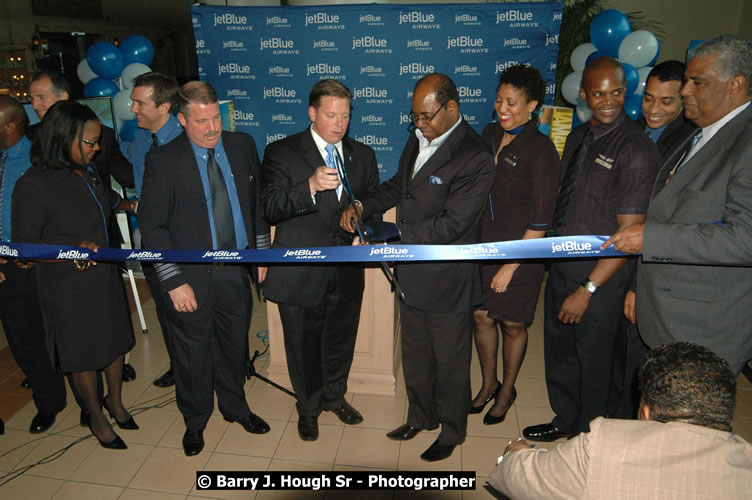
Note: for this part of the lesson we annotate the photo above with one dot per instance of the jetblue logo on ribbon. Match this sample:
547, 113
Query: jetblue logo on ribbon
304, 254
324, 21
467, 44
7, 251
72, 254
145, 255
270, 138
573, 247
481, 251
222, 255
390, 252
419, 20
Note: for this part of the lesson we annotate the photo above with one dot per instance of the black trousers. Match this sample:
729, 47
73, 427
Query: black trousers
22, 323
579, 358
629, 352
211, 347
162, 303
319, 345
436, 351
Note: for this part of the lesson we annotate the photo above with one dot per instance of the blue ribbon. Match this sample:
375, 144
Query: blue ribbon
561, 247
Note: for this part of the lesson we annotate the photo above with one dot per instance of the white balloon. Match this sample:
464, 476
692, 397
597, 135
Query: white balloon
583, 111
132, 71
643, 74
639, 48
570, 87
580, 54
121, 105
84, 72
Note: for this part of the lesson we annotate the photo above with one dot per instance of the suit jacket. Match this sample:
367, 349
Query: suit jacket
632, 459
287, 204
441, 205
173, 212
695, 281
675, 134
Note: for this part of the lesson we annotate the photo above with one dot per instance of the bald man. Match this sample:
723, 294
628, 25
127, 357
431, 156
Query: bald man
20, 314
608, 167
442, 184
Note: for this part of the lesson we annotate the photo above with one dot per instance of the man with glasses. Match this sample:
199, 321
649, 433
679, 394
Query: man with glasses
442, 184
303, 196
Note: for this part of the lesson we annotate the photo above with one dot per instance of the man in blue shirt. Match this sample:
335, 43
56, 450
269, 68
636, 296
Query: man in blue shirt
20, 312
153, 96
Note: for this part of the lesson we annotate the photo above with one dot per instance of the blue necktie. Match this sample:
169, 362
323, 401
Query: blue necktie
331, 152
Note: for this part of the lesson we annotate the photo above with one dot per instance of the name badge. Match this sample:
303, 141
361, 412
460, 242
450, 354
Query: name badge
604, 161
511, 159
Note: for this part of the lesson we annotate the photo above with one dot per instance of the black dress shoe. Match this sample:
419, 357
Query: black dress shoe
41, 422
489, 419
129, 424
308, 428
129, 373
543, 432
437, 452
115, 444
406, 432
25, 383
2, 427
478, 409
193, 442
252, 423
166, 380
347, 414
84, 419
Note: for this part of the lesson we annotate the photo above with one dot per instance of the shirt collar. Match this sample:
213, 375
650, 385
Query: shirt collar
202, 152
321, 143
601, 130
165, 130
21, 147
709, 131
424, 143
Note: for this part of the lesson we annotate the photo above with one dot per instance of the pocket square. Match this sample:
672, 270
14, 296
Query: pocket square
435, 180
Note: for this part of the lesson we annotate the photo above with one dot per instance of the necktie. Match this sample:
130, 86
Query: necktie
224, 227
566, 193
3, 156
685, 157
154, 141
330, 162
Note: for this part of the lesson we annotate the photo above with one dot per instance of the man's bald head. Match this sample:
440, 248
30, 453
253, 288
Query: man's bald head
13, 121
603, 63
434, 93
604, 88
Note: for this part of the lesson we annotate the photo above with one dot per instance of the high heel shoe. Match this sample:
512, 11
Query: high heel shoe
129, 424
478, 409
489, 419
115, 444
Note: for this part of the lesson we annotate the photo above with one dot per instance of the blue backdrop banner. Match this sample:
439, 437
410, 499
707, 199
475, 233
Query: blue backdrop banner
266, 59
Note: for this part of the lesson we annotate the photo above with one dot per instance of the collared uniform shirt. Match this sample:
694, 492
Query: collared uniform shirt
142, 142
16, 163
428, 148
617, 177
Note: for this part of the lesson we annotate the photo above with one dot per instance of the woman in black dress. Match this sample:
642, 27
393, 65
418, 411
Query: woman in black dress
60, 200
521, 205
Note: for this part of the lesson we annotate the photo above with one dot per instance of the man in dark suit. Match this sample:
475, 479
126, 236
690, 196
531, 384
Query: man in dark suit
442, 183
200, 191
695, 275
319, 305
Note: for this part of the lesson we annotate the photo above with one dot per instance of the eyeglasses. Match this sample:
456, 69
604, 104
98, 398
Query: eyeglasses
416, 118
90, 143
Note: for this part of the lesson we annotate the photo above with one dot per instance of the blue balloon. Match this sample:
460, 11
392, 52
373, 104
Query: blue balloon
105, 60
633, 106
632, 77
137, 49
608, 29
595, 55
128, 130
100, 87
657, 53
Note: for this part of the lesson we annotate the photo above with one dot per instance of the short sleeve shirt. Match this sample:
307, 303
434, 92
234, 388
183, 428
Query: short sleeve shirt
617, 177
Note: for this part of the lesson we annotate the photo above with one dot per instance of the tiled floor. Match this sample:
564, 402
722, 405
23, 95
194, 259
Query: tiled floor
154, 466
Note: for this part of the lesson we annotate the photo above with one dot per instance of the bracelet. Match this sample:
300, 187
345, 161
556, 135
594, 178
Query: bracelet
82, 265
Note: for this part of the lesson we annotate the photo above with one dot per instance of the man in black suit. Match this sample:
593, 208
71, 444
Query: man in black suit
444, 176
319, 305
210, 303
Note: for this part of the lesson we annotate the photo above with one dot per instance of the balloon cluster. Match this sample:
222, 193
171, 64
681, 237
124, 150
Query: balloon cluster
611, 35
109, 71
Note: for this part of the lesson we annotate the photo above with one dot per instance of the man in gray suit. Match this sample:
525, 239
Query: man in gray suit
695, 275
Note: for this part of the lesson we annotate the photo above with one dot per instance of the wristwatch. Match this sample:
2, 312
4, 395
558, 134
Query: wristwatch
590, 286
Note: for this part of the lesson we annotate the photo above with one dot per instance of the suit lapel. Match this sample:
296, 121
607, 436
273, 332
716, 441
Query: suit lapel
314, 159
191, 180
441, 156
